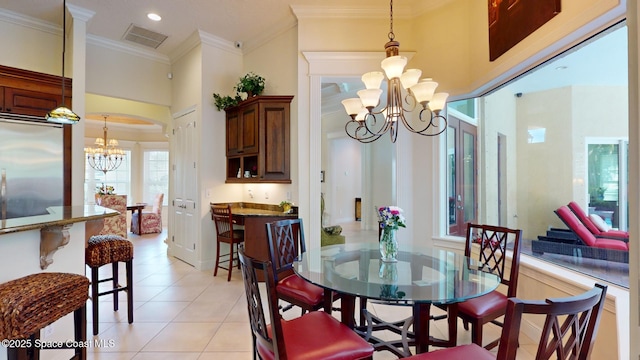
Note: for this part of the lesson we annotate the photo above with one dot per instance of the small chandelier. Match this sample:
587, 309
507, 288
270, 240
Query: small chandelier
404, 88
105, 156
62, 114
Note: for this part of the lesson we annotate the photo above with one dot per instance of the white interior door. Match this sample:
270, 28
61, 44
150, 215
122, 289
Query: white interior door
184, 204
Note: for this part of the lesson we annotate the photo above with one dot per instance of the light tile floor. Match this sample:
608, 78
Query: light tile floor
183, 313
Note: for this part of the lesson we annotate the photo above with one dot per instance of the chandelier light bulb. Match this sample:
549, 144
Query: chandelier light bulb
370, 97
393, 66
438, 101
410, 77
352, 106
373, 79
423, 90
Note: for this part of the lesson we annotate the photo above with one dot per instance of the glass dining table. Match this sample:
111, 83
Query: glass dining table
420, 277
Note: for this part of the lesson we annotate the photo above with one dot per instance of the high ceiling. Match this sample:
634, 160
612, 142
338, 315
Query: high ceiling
243, 21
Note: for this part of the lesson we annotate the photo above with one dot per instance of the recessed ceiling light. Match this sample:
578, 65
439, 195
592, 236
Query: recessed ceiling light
154, 16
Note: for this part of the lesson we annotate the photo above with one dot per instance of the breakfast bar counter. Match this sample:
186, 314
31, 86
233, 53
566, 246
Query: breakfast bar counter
53, 242
254, 217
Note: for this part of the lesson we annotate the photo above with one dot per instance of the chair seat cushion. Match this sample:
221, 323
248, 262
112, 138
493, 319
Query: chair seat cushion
462, 352
334, 341
30, 303
479, 307
293, 286
617, 234
613, 244
106, 249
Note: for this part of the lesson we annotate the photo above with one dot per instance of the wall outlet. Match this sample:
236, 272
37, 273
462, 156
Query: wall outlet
207, 193
266, 195
289, 195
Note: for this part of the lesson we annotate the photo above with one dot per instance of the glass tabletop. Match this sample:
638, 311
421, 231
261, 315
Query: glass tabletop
421, 274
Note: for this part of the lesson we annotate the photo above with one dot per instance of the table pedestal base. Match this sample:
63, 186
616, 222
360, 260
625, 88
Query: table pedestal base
418, 336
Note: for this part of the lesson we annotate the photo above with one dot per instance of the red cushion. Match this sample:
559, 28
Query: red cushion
582, 216
317, 335
493, 302
618, 234
576, 226
614, 244
588, 223
462, 352
298, 288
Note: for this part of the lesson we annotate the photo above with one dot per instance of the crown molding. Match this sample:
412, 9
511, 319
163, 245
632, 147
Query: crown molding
79, 13
29, 22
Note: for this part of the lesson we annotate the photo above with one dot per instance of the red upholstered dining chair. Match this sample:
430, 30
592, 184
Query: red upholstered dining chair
151, 221
225, 233
568, 332
490, 243
286, 244
315, 335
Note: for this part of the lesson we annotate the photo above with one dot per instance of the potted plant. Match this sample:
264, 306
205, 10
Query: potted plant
285, 205
223, 102
251, 84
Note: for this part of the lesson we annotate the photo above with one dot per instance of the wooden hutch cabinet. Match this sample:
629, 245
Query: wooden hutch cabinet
258, 140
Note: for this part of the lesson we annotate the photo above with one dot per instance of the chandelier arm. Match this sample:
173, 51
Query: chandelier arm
364, 136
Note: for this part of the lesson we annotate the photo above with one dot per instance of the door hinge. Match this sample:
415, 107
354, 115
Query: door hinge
194, 206
173, 203
194, 246
173, 238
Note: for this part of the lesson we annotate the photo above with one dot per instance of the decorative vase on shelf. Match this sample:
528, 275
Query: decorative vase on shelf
388, 245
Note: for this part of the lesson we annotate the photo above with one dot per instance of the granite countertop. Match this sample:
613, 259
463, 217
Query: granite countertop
254, 209
57, 216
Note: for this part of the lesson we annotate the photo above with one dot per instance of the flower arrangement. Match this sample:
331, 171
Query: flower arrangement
391, 217
105, 190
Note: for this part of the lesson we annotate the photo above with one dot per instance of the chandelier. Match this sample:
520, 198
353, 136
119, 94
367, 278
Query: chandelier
405, 93
105, 156
62, 114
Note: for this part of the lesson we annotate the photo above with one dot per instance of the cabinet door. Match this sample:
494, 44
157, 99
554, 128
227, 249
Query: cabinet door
249, 129
233, 133
26, 102
275, 153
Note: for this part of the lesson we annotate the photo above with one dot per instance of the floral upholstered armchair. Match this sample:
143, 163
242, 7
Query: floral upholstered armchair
151, 221
115, 225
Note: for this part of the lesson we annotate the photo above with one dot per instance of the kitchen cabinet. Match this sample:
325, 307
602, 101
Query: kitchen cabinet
24, 92
258, 140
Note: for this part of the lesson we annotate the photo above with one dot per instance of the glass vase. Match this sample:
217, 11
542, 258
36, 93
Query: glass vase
388, 245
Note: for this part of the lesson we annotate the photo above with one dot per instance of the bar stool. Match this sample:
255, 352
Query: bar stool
109, 249
31, 303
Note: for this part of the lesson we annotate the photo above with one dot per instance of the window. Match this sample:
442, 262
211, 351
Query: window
156, 175
561, 130
120, 179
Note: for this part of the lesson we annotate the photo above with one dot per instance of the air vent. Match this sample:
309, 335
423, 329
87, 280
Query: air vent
144, 37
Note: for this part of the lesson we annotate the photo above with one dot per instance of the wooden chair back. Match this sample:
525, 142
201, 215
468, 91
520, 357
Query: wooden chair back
286, 244
222, 217
492, 252
569, 329
259, 328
